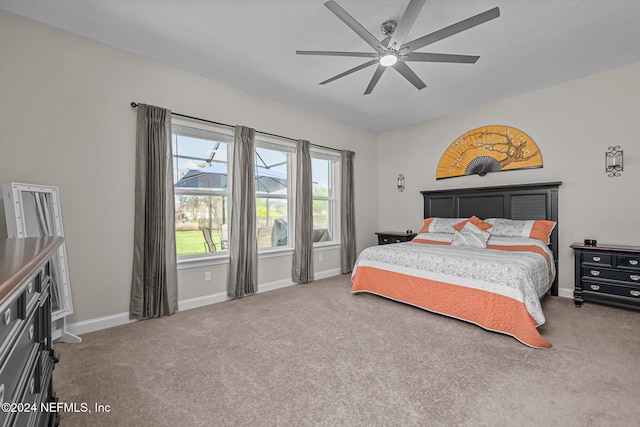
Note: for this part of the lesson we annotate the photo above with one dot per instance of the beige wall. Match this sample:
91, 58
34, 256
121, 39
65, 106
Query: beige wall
65, 120
572, 124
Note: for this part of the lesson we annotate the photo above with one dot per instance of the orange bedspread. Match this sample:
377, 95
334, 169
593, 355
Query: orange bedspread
501, 311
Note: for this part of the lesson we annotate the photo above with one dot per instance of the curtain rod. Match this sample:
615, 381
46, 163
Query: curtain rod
135, 104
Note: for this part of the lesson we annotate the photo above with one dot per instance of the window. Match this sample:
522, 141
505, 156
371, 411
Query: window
274, 198
324, 172
201, 189
201, 156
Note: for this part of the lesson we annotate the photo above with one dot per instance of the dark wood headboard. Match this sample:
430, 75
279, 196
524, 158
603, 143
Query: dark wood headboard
523, 201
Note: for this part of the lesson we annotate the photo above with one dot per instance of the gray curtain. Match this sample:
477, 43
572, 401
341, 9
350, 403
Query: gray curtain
154, 284
243, 244
302, 270
347, 217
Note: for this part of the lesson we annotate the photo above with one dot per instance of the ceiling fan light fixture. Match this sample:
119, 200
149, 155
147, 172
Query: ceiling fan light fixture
394, 50
388, 58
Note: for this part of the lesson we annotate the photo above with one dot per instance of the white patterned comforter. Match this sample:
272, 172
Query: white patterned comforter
523, 276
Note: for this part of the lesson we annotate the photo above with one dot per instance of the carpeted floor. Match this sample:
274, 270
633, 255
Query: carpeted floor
316, 355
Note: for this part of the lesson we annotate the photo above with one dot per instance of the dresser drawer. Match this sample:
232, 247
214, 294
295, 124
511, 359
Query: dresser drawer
632, 277
10, 322
385, 240
597, 258
43, 418
20, 357
629, 262
608, 288
31, 293
30, 399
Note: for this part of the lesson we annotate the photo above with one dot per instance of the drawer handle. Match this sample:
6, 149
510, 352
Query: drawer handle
596, 258
634, 277
633, 261
595, 287
635, 293
31, 331
30, 287
7, 316
595, 273
32, 385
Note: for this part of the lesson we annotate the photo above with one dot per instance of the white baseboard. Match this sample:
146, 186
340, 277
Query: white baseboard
91, 325
99, 323
327, 273
190, 303
565, 293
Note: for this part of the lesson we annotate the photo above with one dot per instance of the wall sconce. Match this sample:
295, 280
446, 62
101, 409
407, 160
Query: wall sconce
613, 161
401, 182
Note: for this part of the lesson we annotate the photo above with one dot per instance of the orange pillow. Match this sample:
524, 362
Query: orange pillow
542, 229
425, 227
475, 221
534, 228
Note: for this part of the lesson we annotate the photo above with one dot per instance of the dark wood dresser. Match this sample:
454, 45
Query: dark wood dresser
26, 351
608, 274
387, 237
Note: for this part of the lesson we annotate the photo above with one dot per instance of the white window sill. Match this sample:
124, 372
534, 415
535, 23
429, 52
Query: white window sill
325, 246
203, 261
223, 257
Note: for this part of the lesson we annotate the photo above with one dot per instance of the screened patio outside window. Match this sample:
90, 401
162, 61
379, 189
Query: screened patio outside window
201, 188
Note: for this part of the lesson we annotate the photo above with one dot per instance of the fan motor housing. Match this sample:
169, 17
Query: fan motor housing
388, 27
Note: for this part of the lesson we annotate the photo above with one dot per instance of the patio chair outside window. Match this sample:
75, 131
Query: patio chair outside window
224, 232
208, 242
279, 233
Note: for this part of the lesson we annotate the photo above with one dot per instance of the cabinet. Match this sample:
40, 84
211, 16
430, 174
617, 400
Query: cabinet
26, 353
387, 237
608, 274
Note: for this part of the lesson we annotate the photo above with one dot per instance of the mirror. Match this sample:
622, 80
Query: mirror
34, 211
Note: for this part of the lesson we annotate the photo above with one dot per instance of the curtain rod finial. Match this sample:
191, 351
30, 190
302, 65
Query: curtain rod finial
133, 104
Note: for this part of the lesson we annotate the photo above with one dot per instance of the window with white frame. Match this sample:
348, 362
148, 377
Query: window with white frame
201, 187
325, 167
274, 195
201, 161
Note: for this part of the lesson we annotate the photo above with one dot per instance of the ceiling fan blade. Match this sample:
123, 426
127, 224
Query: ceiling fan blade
354, 25
408, 74
374, 80
441, 57
353, 70
451, 30
405, 24
330, 53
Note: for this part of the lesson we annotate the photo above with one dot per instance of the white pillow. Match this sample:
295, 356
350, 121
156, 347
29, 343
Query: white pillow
472, 236
440, 225
536, 229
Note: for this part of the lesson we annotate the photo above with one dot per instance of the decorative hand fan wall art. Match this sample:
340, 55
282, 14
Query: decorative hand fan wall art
489, 149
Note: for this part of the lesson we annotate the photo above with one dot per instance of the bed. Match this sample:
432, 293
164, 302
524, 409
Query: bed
481, 271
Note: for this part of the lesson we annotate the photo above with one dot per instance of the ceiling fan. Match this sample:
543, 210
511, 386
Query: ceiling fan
393, 51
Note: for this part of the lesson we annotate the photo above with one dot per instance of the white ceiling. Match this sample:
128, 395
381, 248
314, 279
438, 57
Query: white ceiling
251, 44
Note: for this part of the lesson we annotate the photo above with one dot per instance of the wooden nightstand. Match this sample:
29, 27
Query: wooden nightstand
387, 237
608, 274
